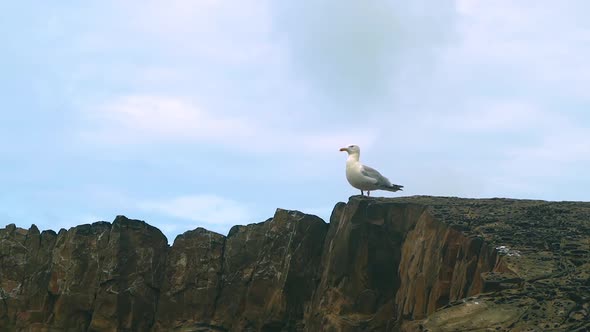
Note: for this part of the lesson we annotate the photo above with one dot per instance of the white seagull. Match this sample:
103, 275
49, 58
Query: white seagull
364, 177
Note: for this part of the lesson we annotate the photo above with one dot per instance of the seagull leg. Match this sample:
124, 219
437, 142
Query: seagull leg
362, 193
368, 193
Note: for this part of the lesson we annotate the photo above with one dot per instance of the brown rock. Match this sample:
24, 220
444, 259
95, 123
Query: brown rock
76, 264
439, 264
269, 273
359, 266
437, 252
192, 281
539, 281
131, 270
411, 264
93, 277
24, 270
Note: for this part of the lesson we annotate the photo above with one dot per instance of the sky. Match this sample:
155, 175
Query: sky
213, 113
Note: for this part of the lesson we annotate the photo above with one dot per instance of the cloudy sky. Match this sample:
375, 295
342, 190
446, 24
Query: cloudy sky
188, 113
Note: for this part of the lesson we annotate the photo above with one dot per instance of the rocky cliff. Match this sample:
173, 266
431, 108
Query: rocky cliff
404, 264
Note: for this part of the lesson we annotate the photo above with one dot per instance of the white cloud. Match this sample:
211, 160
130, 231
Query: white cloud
558, 144
221, 31
145, 119
562, 145
204, 209
550, 138
542, 44
489, 116
142, 118
351, 51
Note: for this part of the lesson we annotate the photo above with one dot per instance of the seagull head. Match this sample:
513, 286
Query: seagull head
352, 149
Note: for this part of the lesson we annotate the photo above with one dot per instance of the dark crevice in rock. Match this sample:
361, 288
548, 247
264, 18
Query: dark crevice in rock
220, 277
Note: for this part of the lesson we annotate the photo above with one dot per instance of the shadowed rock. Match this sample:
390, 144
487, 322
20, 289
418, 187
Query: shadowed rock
99, 277
192, 280
269, 273
257, 279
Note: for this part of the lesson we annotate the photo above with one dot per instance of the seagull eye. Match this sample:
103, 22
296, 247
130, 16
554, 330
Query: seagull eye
351, 146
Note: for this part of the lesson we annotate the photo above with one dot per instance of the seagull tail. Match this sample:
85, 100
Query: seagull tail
393, 187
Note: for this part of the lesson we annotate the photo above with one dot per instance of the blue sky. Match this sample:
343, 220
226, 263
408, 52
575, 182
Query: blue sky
213, 113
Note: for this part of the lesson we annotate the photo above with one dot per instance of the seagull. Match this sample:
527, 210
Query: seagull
364, 177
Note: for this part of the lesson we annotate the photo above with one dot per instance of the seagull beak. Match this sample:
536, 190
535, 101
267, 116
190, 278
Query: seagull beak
344, 149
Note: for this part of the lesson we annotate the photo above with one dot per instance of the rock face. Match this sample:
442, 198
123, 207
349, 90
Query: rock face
99, 277
257, 279
404, 264
540, 280
191, 281
124, 277
386, 261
